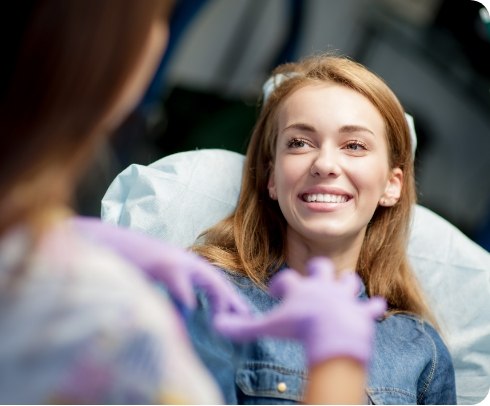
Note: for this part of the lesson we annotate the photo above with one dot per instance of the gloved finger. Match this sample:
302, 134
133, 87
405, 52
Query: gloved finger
181, 281
192, 259
221, 293
246, 328
199, 273
283, 282
228, 301
181, 289
321, 267
175, 257
236, 328
351, 282
376, 307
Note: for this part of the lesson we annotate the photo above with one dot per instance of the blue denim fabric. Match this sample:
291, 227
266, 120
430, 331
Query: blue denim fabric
410, 363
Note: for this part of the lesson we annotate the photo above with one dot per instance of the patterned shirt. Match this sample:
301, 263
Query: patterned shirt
80, 325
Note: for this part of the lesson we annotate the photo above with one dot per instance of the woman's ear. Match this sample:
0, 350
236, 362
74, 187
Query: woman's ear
271, 184
393, 188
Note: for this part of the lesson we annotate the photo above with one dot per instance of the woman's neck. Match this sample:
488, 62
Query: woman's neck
342, 251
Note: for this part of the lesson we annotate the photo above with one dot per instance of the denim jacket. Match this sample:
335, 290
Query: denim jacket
410, 363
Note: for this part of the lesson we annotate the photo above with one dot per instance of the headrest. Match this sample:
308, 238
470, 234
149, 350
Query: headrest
177, 197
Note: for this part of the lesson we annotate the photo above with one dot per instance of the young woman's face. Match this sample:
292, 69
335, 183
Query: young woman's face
331, 168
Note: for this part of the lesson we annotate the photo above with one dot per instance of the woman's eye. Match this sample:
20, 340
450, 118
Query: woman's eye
297, 143
356, 146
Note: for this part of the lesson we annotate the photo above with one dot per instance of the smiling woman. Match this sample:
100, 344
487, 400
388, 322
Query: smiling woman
329, 172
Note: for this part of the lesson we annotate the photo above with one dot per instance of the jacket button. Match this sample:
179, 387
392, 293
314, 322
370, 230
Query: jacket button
282, 387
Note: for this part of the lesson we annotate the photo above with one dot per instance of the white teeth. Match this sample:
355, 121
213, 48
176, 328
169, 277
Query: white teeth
325, 198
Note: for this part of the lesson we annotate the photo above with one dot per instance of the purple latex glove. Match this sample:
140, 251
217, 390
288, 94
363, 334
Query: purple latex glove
178, 269
320, 310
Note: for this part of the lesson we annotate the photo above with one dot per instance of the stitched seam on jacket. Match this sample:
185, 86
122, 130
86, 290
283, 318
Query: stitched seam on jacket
391, 390
430, 378
253, 365
269, 392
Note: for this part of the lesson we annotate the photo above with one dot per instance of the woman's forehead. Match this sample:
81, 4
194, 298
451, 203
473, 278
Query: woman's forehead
329, 105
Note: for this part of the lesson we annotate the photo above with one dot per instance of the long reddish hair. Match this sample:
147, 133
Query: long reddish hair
252, 239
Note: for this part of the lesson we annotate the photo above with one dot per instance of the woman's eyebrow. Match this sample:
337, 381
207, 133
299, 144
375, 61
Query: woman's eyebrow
299, 126
346, 129
354, 128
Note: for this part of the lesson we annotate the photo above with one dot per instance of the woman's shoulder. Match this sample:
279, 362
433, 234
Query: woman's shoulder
412, 363
410, 328
412, 324
414, 338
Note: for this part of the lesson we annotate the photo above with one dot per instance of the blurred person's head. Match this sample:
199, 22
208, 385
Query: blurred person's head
72, 72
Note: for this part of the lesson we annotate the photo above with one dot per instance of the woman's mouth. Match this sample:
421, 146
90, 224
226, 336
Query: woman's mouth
324, 198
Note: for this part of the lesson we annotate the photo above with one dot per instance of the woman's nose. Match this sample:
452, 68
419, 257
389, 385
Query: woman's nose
325, 164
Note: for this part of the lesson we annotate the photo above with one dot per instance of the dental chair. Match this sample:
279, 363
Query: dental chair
180, 195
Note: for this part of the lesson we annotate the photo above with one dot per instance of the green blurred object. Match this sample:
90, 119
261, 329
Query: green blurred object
198, 119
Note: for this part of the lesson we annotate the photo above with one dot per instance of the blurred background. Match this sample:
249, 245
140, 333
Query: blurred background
435, 55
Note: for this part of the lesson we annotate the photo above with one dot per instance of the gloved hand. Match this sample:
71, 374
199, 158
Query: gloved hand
178, 269
320, 310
